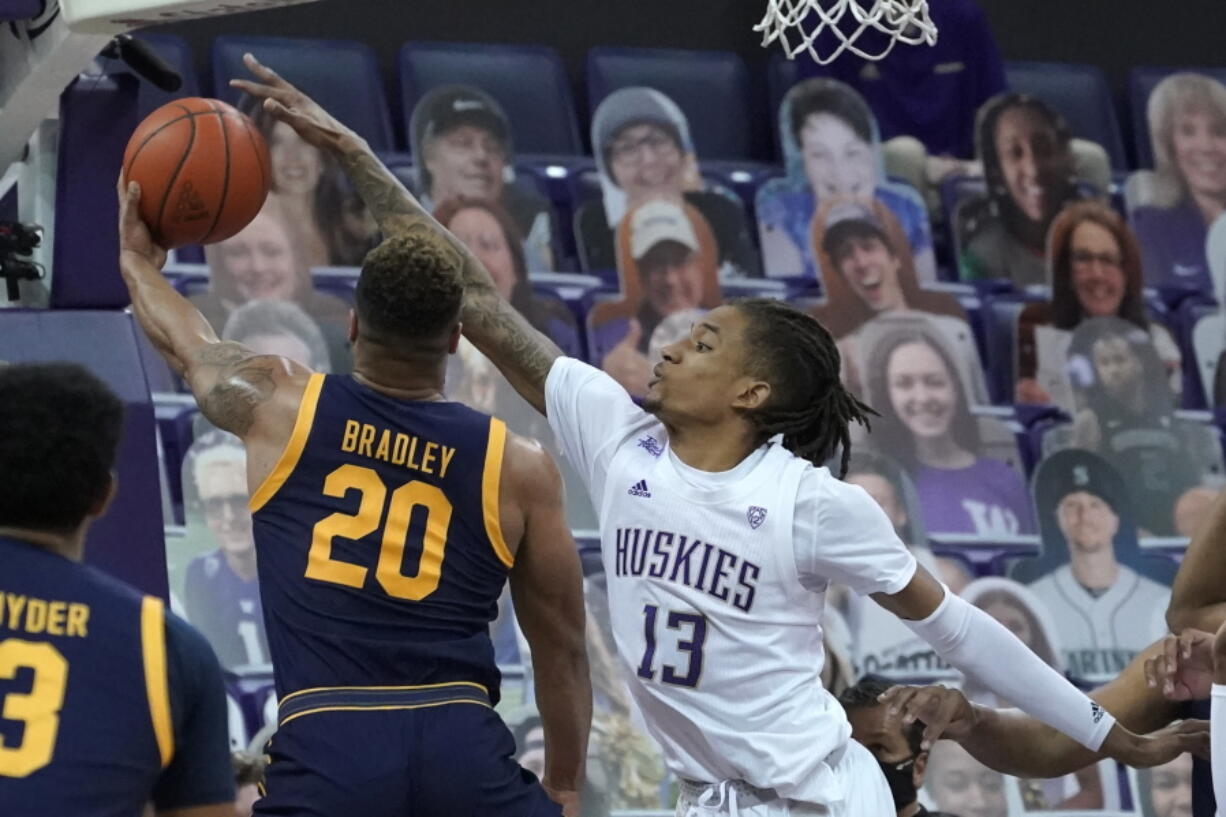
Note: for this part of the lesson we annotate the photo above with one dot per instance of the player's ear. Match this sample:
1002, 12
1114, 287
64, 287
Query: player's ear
453, 342
100, 507
751, 394
353, 326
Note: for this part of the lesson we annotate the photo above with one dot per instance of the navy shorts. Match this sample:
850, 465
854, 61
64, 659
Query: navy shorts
438, 751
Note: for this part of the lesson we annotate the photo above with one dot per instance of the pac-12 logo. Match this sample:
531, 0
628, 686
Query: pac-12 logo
756, 516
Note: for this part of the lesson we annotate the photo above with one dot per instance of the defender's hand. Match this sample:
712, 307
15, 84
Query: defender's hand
1157, 748
134, 234
945, 713
1184, 668
293, 107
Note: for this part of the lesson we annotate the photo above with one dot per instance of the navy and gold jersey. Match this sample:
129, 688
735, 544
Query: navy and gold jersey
381, 556
107, 702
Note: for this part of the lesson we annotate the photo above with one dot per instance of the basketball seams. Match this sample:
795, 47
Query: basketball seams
172, 162
265, 173
174, 177
225, 179
188, 115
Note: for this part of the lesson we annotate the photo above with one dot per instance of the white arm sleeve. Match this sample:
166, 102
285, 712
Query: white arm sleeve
591, 414
977, 644
1217, 745
843, 536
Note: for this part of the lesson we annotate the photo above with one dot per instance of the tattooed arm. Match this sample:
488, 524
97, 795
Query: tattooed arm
237, 390
521, 353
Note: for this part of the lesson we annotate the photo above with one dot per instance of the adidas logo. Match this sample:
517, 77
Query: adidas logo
189, 206
640, 489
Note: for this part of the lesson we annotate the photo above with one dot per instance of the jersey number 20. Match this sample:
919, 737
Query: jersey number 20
38, 709
388, 572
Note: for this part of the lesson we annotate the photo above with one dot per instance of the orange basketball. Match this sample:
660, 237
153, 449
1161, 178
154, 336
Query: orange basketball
203, 170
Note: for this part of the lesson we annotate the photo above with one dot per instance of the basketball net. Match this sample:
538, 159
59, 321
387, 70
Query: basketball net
797, 25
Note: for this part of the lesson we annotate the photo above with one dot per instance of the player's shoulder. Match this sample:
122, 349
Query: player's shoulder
591, 397
186, 645
818, 484
105, 586
527, 463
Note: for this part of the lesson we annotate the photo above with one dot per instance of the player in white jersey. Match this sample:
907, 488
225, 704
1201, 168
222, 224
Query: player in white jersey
721, 531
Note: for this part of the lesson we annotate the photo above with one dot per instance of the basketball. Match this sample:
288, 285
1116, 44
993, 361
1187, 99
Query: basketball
203, 169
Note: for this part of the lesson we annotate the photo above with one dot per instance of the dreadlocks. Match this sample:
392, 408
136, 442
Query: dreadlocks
808, 404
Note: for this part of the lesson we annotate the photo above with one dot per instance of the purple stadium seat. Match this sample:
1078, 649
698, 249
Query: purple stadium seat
97, 115
1081, 94
127, 542
20, 9
528, 81
713, 88
343, 75
177, 54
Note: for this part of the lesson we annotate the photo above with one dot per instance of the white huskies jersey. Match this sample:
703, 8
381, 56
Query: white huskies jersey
716, 584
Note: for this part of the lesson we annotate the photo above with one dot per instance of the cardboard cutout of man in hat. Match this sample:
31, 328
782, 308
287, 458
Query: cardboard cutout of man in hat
1090, 575
463, 148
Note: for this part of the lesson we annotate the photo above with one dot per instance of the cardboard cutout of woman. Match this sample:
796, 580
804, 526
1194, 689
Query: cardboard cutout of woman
1125, 411
1209, 334
1107, 599
333, 225
1094, 263
644, 151
832, 151
490, 233
1028, 164
927, 425
1172, 207
870, 276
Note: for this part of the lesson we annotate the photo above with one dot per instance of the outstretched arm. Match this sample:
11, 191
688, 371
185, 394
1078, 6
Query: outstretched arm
974, 642
521, 353
1198, 599
232, 384
1012, 742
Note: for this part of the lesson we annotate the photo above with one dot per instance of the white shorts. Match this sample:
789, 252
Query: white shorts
868, 795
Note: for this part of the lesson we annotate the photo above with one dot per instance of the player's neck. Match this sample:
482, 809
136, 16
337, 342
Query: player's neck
69, 545
400, 378
712, 448
909, 811
1097, 570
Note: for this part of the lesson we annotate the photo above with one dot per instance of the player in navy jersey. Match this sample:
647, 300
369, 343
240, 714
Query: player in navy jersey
387, 521
107, 701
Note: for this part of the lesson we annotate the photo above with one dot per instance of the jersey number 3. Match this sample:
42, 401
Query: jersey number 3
38, 710
388, 572
692, 645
